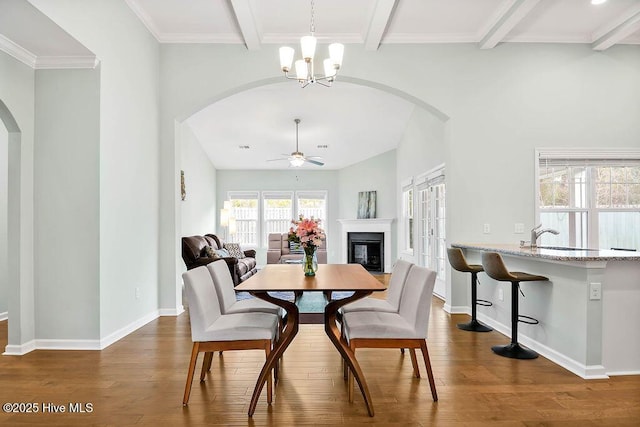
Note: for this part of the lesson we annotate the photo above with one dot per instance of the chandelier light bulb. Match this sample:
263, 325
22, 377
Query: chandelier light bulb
301, 70
336, 51
308, 45
286, 58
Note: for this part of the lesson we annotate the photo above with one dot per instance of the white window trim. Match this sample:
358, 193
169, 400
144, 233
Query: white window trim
406, 185
577, 153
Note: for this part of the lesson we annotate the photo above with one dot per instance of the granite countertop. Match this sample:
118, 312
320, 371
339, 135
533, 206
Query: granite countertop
554, 253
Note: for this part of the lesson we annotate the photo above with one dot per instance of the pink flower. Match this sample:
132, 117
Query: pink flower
309, 232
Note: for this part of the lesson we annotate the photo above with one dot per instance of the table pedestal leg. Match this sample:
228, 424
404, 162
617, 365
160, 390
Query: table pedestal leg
348, 355
290, 331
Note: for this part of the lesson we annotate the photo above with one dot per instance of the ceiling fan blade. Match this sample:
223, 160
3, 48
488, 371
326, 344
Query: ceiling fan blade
275, 160
314, 162
314, 157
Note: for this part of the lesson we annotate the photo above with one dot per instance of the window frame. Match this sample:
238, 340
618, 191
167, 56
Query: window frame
590, 158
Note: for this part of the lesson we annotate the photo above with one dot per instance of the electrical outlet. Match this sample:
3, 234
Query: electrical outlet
519, 228
500, 294
486, 229
137, 293
595, 291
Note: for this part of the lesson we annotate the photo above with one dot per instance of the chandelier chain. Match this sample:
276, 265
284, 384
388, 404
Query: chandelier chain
313, 24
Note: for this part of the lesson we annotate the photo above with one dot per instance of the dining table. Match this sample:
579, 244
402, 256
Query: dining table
327, 279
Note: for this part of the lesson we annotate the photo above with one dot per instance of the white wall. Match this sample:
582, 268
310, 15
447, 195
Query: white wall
374, 174
129, 155
67, 202
4, 182
292, 180
17, 94
198, 210
421, 149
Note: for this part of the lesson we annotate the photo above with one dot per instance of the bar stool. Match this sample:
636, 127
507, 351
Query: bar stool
458, 262
495, 268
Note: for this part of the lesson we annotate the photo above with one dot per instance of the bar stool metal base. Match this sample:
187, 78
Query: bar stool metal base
474, 326
514, 351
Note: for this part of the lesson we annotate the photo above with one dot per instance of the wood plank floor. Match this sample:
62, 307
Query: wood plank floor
140, 381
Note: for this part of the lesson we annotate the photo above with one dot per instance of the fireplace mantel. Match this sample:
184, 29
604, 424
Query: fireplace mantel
371, 225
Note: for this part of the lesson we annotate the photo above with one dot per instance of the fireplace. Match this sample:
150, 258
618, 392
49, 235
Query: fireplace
366, 249
368, 225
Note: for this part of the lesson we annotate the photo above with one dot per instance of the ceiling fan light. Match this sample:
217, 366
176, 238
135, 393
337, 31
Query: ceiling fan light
286, 58
301, 69
296, 162
336, 52
308, 45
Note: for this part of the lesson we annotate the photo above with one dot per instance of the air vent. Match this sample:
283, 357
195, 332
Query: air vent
243, 147
323, 146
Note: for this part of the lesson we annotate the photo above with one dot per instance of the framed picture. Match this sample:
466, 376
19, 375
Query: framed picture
183, 189
366, 204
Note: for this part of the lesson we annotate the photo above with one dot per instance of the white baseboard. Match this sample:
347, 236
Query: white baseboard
57, 344
4, 316
588, 372
19, 350
171, 311
456, 309
126, 330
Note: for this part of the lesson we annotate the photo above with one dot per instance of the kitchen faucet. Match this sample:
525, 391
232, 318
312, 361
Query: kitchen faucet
536, 233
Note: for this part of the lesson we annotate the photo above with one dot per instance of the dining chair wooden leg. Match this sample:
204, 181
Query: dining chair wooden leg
350, 378
192, 367
267, 351
414, 362
427, 362
206, 365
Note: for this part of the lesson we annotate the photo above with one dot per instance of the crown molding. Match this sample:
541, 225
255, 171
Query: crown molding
17, 51
144, 18
65, 62
200, 38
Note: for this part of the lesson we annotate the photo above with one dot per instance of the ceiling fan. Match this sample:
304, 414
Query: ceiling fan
297, 158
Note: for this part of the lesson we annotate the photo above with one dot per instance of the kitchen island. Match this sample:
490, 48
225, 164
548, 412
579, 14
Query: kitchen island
589, 311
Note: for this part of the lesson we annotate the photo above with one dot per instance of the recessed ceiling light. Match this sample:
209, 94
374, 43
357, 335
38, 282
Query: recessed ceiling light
598, 1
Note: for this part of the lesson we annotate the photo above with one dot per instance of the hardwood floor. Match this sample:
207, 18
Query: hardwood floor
140, 381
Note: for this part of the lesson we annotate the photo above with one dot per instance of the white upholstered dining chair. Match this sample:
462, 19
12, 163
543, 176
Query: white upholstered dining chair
213, 331
405, 329
394, 292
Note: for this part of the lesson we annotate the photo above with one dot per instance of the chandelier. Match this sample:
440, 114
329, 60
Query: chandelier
305, 73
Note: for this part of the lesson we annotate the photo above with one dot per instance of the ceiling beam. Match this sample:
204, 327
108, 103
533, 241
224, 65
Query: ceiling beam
379, 20
505, 20
617, 30
244, 15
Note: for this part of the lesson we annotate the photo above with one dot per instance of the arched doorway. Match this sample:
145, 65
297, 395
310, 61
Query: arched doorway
10, 242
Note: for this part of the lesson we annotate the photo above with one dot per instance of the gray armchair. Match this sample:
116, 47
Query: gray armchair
278, 250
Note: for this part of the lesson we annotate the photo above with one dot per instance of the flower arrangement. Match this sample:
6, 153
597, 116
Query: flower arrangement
307, 232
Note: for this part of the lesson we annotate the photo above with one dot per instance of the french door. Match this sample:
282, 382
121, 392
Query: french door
432, 215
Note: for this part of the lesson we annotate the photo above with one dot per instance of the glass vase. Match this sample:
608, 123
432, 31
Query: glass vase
310, 261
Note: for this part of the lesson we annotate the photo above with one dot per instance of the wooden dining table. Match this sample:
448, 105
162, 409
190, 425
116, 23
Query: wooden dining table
329, 278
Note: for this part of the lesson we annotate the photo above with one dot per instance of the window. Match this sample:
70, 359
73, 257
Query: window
258, 214
244, 208
277, 213
407, 218
313, 204
592, 198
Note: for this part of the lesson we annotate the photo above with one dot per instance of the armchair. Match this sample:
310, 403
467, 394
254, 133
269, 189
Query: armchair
278, 250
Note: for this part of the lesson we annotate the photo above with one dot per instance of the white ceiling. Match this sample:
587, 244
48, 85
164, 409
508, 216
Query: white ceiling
259, 119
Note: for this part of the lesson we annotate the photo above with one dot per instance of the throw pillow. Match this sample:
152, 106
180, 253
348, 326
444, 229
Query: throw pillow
211, 253
222, 253
234, 250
